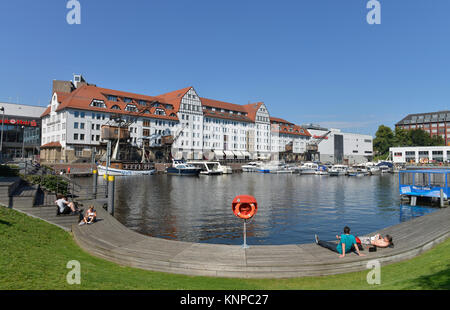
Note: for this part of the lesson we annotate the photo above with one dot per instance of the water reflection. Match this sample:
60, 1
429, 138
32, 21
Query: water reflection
291, 208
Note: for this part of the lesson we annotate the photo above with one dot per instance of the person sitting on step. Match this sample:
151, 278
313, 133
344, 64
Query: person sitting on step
90, 216
64, 206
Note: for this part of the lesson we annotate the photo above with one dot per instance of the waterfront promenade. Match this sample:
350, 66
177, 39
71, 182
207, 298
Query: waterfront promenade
112, 241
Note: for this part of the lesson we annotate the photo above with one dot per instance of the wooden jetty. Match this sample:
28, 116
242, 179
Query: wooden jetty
110, 240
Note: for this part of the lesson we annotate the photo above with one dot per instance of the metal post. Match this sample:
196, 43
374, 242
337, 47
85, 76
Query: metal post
111, 186
245, 246
413, 201
441, 204
94, 189
3, 123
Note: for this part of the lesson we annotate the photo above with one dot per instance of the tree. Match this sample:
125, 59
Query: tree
402, 137
384, 139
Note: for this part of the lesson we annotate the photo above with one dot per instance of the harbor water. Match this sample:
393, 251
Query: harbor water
291, 208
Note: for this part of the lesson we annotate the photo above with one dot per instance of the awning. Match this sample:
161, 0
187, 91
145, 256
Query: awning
247, 154
229, 154
239, 154
219, 154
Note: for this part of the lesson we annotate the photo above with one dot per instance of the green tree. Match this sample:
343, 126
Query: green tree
384, 139
402, 137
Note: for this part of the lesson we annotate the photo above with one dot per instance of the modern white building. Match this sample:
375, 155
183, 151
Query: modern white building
342, 147
420, 154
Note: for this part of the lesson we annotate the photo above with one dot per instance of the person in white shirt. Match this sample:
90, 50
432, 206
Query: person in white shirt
64, 206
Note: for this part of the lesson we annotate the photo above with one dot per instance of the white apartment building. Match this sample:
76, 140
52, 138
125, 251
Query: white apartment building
202, 128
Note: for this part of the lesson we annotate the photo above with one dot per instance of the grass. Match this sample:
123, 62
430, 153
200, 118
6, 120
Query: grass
34, 254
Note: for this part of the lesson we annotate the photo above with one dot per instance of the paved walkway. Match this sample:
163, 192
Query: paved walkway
112, 241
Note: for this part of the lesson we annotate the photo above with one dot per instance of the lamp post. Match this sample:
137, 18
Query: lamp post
3, 123
23, 143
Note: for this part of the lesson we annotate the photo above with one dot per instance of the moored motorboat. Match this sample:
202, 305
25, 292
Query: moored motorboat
208, 167
308, 168
338, 170
181, 168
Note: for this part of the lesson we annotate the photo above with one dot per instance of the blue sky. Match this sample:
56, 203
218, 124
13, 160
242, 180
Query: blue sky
309, 60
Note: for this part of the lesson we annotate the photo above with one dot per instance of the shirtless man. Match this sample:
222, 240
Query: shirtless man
377, 240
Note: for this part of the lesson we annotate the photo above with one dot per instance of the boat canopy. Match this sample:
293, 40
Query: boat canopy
385, 163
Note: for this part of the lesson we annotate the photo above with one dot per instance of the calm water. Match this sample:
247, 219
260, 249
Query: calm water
291, 208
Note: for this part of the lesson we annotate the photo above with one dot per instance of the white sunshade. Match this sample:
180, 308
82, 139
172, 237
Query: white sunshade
239, 154
229, 154
247, 154
219, 154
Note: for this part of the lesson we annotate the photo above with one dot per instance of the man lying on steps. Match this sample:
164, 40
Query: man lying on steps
346, 243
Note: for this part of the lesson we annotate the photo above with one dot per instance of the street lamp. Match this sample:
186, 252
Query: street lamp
3, 122
23, 142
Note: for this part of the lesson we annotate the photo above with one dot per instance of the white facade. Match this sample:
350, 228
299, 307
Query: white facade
420, 154
341, 147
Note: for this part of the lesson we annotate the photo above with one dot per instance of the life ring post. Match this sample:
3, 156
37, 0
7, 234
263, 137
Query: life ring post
244, 207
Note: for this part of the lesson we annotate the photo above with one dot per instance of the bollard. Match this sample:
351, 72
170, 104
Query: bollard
441, 198
111, 184
94, 189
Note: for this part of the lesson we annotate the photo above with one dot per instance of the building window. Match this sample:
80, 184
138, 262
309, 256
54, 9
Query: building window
112, 98
131, 108
81, 125
75, 136
81, 136
75, 125
127, 100
76, 113
98, 104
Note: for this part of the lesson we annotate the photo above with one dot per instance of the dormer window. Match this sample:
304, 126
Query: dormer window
156, 104
127, 100
98, 103
160, 112
112, 98
142, 102
115, 107
131, 108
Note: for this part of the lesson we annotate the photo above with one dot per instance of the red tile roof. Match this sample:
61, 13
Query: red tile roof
51, 145
82, 97
175, 97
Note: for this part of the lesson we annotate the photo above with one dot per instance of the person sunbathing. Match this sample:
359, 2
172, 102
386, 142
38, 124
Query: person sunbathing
378, 240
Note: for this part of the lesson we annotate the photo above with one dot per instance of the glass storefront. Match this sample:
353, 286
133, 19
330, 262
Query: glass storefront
18, 138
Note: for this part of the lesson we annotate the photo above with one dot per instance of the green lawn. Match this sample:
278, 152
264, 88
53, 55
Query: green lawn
34, 254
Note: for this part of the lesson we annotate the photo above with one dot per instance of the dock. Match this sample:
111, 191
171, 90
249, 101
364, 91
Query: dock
110, 240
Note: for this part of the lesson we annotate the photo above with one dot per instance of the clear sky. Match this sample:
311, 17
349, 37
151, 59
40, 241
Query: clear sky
309, 60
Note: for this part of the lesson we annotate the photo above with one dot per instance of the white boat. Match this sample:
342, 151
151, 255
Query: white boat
251, 166
227, 170
181, 168
338, 170
308, 168
358, 171
374, 170
123, 168
322, 170
271, 167
208, 167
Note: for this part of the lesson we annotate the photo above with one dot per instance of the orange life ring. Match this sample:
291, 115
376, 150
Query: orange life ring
244, 206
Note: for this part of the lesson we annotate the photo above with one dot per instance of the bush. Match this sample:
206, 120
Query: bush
7, 171
51, 183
